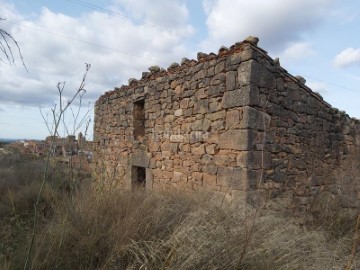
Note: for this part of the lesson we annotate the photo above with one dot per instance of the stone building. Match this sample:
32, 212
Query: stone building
234, 122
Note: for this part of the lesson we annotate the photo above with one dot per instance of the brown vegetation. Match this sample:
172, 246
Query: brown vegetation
93, 229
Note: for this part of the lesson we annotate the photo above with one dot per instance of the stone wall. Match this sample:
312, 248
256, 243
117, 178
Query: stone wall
313, 147
234, 122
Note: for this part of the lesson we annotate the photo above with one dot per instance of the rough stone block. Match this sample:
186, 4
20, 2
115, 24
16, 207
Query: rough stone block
297, 162
233, 60
215, 116
159, 128
218, 79
245, 96
218, 125
200, 93
252, 72
238, 140
230, 80
215, 105
232, 119
207, 159
169, 118
166, 154
201, 125
179, 112
200, 150
220, 67
254, 119
184, 103
202, 106
215, 91
209, 181
210, 169
221, 160
244, 73
154, 147
178, 177
254, 160
200, 74
177, 138
232, 177
211, 149
198, 136
279, 176
170, 146
197, 176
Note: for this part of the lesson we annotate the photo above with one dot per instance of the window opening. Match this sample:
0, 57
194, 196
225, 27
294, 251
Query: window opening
139, 120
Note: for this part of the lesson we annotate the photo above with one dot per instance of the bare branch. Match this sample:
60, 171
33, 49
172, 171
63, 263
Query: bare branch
6, 38
45, 121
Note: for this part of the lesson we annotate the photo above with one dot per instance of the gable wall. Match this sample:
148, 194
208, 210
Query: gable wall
313, 147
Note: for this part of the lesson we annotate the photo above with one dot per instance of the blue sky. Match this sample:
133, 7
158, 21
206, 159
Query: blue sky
317, 39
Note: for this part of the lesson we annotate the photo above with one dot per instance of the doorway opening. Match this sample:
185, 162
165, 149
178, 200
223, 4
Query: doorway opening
138, 175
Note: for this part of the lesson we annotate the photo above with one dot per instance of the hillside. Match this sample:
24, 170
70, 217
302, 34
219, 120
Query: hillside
81, 226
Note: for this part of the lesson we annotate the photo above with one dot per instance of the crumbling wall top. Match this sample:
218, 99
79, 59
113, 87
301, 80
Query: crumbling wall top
250, 43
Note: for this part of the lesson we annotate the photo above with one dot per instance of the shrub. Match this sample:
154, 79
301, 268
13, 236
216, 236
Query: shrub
117, 229
138, 230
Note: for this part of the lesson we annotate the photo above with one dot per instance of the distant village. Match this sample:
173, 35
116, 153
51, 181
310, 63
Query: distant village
77, 152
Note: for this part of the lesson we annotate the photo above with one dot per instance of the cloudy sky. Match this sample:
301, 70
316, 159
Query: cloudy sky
318, 39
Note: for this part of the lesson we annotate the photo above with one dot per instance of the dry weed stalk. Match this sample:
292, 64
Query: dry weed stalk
355, 244
57, 118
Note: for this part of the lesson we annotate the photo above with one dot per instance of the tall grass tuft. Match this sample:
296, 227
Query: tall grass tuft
150, 230
117, 229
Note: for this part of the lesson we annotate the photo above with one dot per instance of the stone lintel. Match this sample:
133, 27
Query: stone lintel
140, 159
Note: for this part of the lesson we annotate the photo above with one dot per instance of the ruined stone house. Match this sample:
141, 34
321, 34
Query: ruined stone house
232, 122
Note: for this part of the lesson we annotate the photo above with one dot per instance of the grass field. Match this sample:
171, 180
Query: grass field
84, 228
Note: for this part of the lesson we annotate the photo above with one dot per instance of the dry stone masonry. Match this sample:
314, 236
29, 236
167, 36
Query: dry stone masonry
233, 122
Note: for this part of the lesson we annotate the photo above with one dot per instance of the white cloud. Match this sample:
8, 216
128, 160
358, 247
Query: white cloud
8, 11
347, 57
127, 47
297, 51
208, 5
52, 58
320, 87
159, 14
276, 22
345, 14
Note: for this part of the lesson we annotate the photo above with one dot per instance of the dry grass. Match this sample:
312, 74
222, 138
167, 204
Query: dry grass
149, 230
20, 180
217, 239
16, 171
127, 230
92, 231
